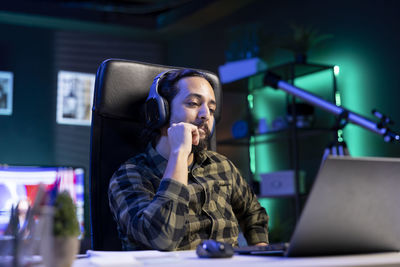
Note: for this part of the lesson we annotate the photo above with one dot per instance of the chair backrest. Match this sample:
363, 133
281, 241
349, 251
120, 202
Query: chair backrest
121, 88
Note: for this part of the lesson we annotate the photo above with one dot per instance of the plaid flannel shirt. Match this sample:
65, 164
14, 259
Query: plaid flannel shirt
163, 214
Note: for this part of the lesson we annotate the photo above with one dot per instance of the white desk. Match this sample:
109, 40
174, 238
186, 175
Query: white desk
189, 258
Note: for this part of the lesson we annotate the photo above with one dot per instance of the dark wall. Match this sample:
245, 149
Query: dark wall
31, 136
364, 44
26, 136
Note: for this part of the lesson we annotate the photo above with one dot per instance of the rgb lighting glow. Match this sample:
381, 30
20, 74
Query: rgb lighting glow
336, 70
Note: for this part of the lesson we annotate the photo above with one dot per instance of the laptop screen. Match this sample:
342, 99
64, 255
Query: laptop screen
353, 207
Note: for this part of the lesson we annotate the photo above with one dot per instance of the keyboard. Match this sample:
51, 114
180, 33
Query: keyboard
271, 249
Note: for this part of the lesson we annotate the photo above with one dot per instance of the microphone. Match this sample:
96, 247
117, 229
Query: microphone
384, 120
380, 128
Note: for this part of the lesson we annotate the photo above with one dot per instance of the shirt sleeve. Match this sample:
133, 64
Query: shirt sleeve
252, 217
153, 217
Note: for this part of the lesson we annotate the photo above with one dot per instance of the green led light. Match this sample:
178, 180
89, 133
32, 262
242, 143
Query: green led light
353, 84
252, 155
338, 100
340, 135
250, 99
336, 70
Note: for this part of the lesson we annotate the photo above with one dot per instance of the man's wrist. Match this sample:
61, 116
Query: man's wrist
177, 166
179, 154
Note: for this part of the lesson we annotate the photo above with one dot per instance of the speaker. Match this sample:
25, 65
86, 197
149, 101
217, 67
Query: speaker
156, 106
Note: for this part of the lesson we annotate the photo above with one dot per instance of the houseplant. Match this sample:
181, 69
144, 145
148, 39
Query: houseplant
63, 240
302, 40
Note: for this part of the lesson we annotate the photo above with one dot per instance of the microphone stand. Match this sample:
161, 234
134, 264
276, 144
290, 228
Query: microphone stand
345, 115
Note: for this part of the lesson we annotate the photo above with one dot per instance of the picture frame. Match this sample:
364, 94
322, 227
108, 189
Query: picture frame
75, 97
6, 92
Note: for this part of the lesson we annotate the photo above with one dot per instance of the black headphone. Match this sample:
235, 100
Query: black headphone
156, 107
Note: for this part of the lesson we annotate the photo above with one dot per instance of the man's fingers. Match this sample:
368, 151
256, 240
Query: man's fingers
195, 136
185, 129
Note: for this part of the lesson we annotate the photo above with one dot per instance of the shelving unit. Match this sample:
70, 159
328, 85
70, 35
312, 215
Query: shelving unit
288, 72
274, 136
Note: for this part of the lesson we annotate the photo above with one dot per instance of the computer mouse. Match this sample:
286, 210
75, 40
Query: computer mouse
214, 249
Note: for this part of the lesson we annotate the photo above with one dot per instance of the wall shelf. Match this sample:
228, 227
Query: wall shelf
274, 136
292, 135
288, 72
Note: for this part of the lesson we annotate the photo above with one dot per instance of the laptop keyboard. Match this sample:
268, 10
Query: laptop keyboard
271, 249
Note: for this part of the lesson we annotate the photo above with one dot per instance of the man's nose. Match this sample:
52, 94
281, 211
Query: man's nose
204, 113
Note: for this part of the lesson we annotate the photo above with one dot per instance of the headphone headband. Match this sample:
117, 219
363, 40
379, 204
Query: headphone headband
154, 86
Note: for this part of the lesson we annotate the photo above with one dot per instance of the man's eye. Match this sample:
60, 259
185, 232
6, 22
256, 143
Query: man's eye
192, 104
212, 111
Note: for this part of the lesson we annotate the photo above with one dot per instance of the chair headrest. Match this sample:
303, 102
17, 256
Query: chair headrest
122, 87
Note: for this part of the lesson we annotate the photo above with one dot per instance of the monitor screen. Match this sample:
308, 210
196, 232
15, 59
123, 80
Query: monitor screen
20, 184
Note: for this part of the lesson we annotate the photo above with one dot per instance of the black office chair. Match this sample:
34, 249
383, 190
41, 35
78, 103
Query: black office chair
121, 88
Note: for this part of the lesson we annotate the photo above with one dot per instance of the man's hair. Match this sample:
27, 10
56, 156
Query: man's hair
168, 89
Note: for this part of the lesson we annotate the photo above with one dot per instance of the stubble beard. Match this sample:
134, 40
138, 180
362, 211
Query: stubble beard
203, 142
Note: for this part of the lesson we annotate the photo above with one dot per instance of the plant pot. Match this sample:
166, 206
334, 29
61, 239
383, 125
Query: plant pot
62, 253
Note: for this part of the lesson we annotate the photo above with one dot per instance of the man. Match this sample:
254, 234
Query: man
178, 193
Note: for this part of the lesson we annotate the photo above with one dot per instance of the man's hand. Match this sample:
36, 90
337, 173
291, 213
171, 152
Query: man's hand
181, 137
261, 244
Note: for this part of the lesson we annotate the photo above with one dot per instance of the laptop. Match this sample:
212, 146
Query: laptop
353, 207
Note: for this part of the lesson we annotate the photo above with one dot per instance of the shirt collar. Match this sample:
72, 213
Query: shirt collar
201, 157
158, 162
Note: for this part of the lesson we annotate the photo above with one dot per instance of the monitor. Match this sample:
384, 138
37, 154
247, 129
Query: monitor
20, 183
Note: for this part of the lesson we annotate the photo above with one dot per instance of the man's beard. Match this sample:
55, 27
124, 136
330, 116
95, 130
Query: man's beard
203, 142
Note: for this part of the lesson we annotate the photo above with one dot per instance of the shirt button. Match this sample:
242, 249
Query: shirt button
211, 205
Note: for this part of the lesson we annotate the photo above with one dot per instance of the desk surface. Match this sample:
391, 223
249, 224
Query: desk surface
189, 258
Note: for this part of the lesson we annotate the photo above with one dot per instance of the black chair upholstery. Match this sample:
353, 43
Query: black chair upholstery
121, 88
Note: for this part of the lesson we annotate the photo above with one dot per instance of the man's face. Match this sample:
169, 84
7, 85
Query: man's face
195, 103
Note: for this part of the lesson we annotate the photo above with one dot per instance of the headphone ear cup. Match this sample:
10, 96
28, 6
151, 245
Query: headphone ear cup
150, 110
156, 112
156, 106
163, 111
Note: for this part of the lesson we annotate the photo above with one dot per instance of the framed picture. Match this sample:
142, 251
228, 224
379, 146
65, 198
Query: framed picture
74, 97
6, 92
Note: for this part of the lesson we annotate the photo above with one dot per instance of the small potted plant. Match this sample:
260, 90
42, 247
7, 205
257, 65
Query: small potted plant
65, 242
303, 39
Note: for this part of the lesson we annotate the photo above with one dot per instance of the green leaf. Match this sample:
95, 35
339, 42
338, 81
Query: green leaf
65, 220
